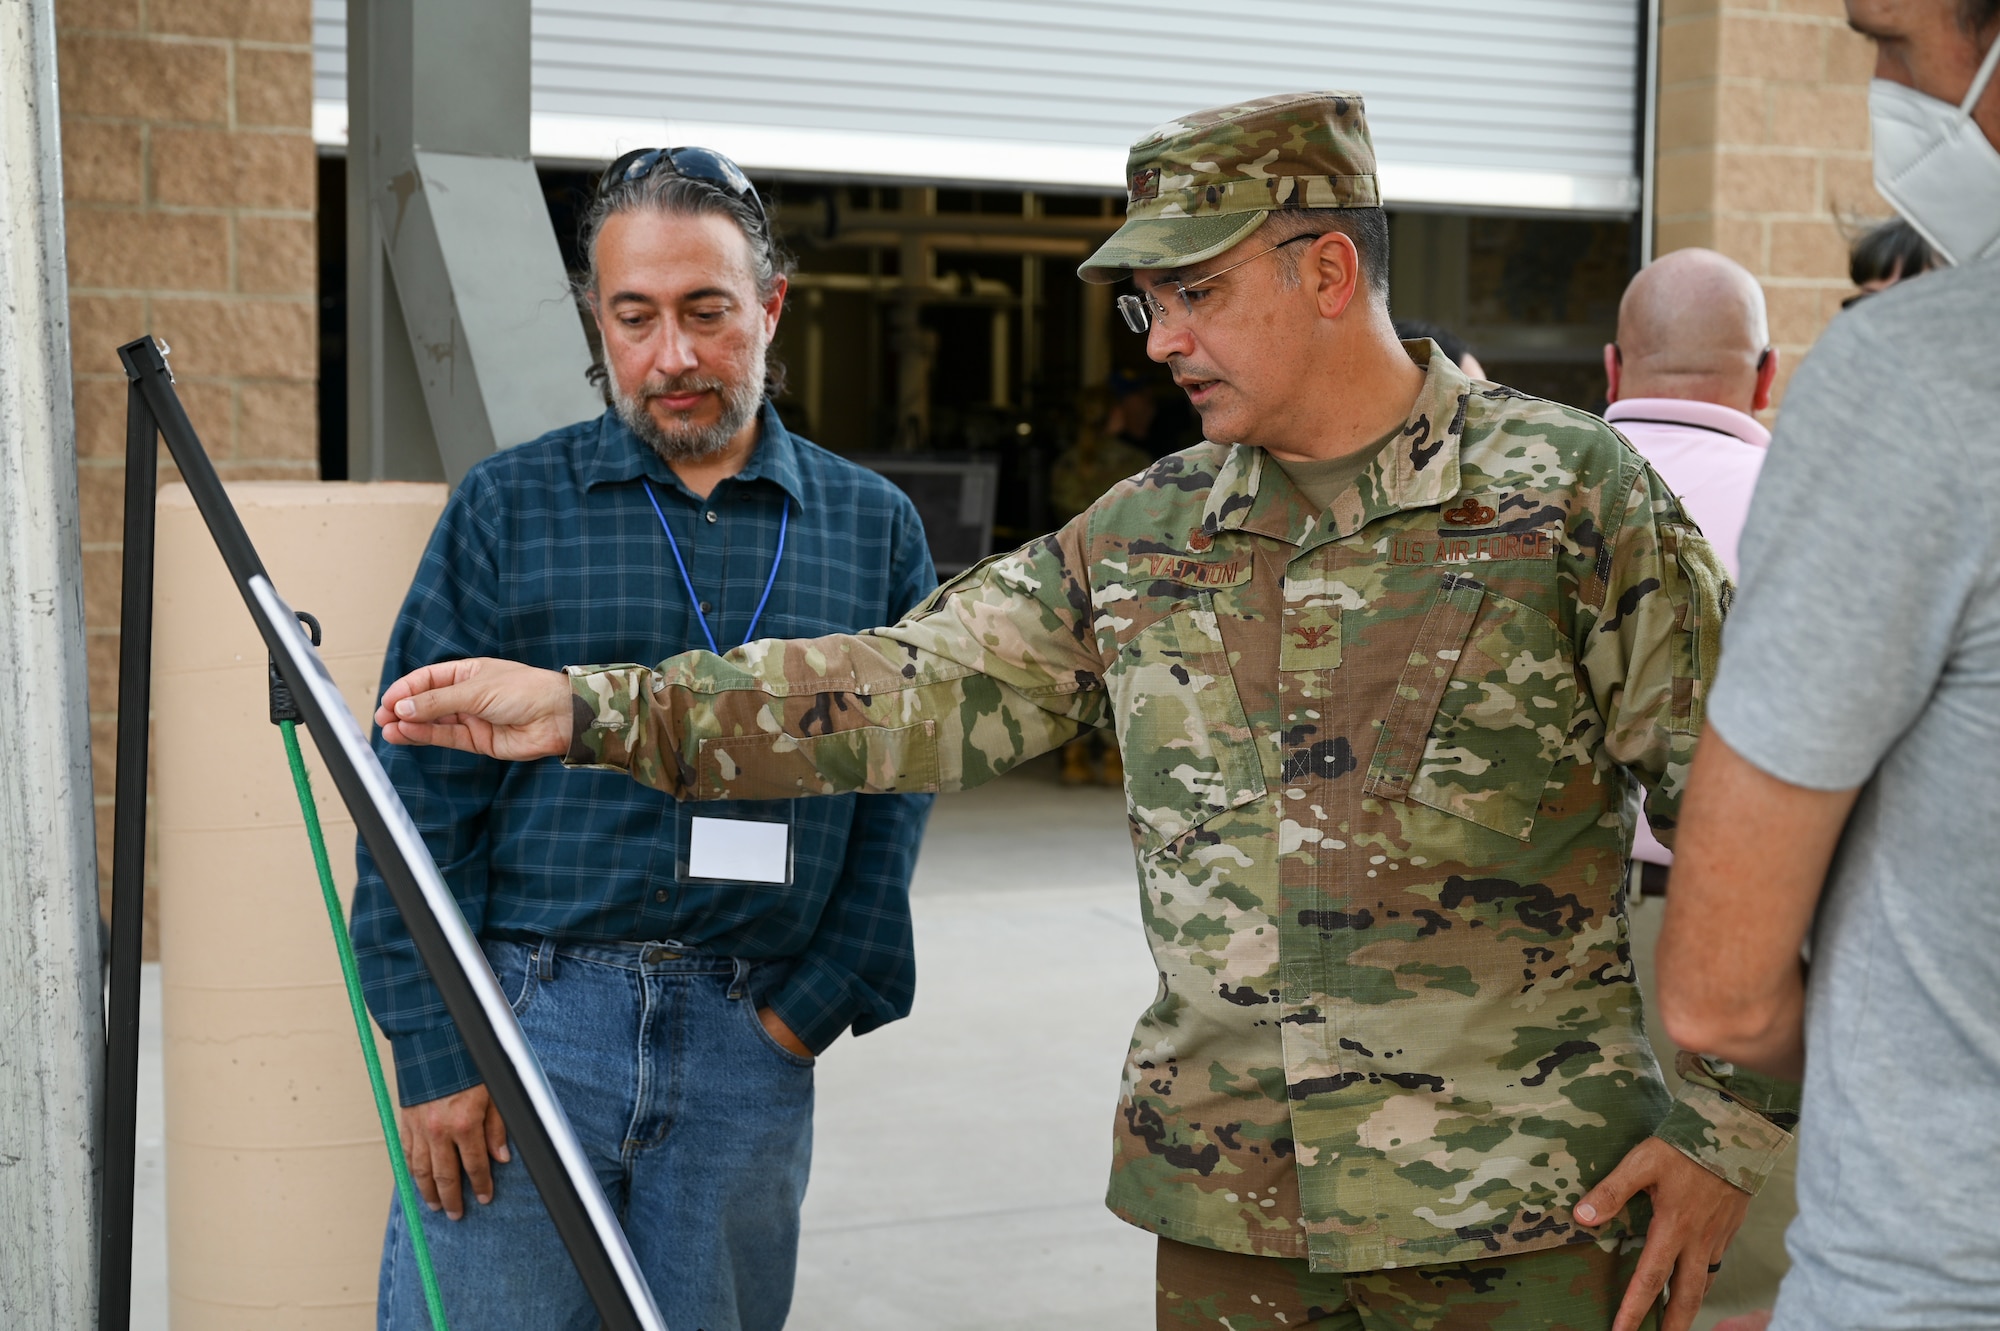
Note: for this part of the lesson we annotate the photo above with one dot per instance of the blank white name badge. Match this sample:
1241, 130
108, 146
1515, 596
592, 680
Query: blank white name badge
737, 850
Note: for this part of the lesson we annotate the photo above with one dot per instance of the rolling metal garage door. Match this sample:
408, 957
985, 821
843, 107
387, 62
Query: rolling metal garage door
1474, 103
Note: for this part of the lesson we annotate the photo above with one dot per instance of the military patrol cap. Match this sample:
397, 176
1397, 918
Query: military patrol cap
1201, 183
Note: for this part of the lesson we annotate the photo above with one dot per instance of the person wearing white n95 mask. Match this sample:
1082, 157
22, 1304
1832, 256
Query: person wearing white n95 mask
1844, 784
1936, 164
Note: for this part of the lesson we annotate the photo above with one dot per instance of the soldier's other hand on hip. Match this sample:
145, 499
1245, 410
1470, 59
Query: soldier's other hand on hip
1695, 1215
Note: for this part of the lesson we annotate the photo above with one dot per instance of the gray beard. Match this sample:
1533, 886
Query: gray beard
692, 443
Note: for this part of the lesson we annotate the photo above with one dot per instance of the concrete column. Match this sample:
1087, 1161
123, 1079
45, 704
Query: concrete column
52, 1053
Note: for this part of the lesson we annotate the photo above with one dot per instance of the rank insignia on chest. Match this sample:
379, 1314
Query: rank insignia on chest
1311, 638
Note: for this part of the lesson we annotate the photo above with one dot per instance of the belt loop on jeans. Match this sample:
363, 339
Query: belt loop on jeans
545, 960
739, 979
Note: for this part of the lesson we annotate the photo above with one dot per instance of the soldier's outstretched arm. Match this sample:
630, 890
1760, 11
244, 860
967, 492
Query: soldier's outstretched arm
999, 665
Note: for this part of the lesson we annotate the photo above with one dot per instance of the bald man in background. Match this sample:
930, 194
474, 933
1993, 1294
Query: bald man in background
1693, 359
1692, 362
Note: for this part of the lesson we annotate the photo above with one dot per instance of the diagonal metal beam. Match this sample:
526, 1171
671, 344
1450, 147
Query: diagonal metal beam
463, 336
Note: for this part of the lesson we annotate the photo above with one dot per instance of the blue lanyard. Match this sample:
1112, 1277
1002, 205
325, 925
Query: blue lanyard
750, 633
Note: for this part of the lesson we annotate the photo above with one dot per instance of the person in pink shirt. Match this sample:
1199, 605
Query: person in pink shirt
1692, 361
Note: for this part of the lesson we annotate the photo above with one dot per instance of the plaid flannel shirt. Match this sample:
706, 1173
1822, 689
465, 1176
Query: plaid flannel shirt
551, 553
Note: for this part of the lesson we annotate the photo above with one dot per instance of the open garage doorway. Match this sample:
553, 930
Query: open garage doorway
948, 323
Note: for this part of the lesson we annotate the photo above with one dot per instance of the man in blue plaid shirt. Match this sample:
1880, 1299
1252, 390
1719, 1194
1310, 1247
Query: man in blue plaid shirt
676, 973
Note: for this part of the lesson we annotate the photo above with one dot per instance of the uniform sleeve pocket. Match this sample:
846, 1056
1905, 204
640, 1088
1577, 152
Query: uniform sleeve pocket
1481, 712
1689, 566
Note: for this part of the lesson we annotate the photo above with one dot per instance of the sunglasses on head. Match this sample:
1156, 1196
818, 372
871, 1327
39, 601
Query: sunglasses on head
704, 164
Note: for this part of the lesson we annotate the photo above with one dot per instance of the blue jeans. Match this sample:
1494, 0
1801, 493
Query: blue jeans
699, 1127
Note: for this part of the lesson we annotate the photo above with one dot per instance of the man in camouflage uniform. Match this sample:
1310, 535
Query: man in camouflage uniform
1378, 755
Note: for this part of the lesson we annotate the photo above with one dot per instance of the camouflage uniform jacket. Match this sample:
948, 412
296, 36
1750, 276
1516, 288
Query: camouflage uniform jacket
1377, 763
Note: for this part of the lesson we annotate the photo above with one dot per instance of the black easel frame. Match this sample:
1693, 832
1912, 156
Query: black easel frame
535, 1120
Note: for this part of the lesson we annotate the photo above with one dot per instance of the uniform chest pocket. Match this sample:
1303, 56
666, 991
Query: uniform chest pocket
1481, 712
1188, 749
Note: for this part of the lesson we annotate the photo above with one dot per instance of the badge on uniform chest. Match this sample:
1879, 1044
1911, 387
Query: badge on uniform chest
1311, 638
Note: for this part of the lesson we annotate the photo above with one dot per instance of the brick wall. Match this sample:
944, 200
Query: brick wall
1763, 148
188, 178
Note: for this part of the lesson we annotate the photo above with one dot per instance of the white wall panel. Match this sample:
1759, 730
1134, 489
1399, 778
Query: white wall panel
1496, 103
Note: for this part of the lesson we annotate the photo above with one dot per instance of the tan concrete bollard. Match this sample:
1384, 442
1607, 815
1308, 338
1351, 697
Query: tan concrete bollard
277, 1182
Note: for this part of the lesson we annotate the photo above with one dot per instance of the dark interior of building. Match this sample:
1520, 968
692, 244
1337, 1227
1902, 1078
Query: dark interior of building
947, 324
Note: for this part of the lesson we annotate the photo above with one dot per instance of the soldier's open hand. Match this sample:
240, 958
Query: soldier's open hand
501, 709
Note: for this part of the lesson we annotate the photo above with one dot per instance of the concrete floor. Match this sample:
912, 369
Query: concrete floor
961, 1154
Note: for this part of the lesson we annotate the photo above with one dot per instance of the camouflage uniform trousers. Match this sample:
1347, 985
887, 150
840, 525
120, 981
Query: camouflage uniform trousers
1573, 1288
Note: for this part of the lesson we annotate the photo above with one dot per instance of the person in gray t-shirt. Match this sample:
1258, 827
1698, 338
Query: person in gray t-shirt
1848, 787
